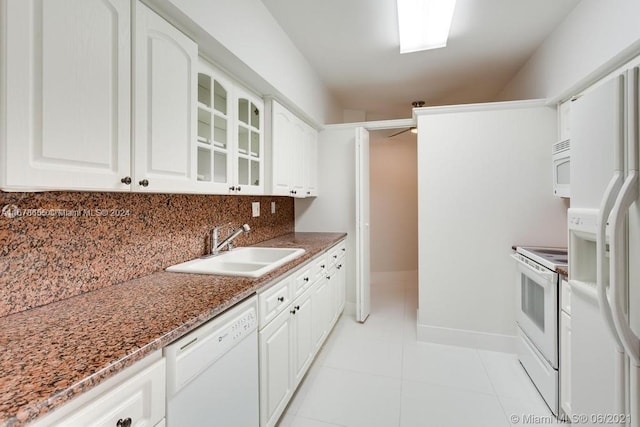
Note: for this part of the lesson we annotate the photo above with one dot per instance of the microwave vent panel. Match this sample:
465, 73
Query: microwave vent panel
561, 146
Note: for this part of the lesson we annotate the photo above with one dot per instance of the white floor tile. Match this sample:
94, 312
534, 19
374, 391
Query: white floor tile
431, 405
308, 422
445, 365
522, 412
507, 375
352, 399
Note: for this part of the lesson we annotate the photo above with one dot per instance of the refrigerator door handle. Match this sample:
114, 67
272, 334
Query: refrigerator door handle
610, 195
618, 276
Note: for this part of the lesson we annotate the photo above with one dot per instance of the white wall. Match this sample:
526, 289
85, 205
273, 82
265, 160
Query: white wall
254, 48
393, 201
596, 37
334, 210
484, 184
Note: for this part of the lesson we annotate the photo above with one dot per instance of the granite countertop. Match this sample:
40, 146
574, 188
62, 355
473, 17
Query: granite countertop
55, 352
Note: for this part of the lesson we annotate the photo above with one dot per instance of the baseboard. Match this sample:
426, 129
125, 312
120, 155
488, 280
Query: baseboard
467, 338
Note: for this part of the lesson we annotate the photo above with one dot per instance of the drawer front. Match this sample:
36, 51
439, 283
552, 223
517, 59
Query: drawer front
302, 282
319, 268
141, 398
273, 301
565, 297
337, 253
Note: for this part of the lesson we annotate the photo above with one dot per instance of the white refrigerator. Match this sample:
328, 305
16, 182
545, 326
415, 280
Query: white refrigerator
604, 253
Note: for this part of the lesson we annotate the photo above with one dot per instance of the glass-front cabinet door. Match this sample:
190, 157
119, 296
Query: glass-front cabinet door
249, 151
214, 151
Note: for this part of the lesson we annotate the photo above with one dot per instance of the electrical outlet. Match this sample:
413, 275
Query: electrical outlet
273, 207
255, 209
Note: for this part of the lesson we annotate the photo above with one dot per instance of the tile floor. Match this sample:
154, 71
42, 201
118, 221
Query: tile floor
376, 375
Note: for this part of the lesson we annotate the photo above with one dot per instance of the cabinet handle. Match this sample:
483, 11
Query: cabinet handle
335, 257
293, 311
126, 180
238, 188
308, 192
297, 307
322, 266
281, 299
232, 188
124, 423
339, 266
344, 249
144, 183
306, 279
328, 277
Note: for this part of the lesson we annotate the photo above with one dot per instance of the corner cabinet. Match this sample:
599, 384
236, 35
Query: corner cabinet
166, 67
67, 86
293, 153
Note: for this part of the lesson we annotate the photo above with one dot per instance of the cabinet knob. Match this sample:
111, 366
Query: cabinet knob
144, 183
124, 423
232, 188
328, 277
308, 192
306, 279
322, 266
339, 266
126, 180
293, 311
281, 299
335, 256
344, 249
297, 307
238, 188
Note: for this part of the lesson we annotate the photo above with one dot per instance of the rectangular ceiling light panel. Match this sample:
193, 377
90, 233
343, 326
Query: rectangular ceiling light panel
424, 24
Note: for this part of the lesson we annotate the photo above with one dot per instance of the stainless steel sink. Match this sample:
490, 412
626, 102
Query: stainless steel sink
245, 262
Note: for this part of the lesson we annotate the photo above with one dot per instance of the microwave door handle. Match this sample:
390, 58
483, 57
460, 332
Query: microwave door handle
546, 274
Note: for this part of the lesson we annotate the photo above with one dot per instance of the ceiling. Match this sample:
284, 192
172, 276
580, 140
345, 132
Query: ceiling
353, 45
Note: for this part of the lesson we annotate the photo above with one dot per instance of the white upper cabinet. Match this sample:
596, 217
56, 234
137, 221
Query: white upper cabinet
249, 144
67, 95
214, 142
293, 147
166, 81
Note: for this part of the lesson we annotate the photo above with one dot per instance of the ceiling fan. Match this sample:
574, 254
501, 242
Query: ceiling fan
413, 129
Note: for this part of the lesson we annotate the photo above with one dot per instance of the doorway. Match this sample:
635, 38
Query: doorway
393, 186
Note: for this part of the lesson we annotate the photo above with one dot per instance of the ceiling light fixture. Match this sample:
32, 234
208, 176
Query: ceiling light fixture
424, 24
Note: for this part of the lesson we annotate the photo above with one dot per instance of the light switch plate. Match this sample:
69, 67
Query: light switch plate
255, 209
273, 207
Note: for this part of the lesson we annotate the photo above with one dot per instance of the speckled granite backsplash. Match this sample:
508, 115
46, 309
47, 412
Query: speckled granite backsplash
56, 245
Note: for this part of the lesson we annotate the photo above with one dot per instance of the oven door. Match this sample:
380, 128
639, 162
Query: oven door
537, 313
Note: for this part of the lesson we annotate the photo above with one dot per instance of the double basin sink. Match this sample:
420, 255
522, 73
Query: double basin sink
246, 262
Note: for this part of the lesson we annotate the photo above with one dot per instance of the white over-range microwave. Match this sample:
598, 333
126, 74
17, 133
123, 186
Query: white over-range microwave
561, 155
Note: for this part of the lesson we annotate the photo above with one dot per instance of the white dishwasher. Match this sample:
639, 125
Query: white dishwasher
212, 372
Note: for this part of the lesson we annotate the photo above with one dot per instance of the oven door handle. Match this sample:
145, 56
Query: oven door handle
547, 275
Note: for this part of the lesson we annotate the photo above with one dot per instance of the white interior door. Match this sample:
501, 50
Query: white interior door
363, 282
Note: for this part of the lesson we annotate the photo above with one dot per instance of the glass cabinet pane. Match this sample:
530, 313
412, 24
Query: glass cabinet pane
204, 164
255, 172
243, 110
243, 171
243, 140
255, 116
204, 89
219, 98
204, 126
220, 131
255, 144
219, 167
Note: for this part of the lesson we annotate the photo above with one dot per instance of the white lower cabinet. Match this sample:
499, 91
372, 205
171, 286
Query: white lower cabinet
289, 341
133, 397
276, 385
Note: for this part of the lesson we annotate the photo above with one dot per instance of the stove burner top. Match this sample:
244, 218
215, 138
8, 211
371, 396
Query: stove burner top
548, 257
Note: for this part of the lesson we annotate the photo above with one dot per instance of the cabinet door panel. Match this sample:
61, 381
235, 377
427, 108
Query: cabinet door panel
303, 344
281, 148
275, 368
165, 105
68, 87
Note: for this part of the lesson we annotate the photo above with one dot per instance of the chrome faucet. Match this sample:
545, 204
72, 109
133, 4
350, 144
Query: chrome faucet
217, 247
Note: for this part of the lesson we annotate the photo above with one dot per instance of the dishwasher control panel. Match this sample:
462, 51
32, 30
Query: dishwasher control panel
195, 352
